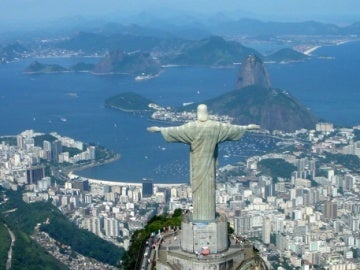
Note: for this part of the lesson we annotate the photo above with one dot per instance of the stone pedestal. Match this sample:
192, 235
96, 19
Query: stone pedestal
202, 246
197, 236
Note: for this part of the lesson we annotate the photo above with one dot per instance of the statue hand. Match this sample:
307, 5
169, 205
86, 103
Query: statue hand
153, 129
253, 126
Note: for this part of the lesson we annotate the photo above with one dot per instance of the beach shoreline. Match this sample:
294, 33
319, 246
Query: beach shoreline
73, 176
311, 50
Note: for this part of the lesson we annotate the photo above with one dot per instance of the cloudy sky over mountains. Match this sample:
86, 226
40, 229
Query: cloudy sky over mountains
323, 10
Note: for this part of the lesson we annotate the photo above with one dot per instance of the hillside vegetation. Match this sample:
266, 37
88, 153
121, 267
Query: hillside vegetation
4, 244
27, 216
139, 237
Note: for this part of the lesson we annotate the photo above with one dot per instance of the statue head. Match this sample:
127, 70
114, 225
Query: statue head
202, 113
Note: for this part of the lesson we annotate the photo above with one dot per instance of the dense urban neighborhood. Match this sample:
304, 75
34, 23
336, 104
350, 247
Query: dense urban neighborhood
299, 205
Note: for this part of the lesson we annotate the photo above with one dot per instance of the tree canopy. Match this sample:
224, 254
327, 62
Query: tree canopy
276, 167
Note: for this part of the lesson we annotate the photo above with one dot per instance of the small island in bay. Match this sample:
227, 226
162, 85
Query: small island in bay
37, 67
287, 55
129, 102
141, 65
136, 64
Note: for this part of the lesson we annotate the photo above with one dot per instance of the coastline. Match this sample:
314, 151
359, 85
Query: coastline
311, 50
72, 176
94, 164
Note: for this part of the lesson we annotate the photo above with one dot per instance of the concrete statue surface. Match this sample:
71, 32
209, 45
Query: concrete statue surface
203, 137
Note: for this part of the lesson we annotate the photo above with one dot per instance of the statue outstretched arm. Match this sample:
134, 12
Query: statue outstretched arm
154, 129
252, 126
248, 127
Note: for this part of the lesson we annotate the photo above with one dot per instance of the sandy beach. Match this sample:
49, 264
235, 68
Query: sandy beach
72, 176
311, 50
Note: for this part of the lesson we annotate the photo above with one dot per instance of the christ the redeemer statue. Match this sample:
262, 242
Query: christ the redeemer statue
203, 136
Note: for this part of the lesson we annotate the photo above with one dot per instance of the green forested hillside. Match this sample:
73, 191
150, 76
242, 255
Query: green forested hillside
4, 244
26, 216
276, 167
139, 237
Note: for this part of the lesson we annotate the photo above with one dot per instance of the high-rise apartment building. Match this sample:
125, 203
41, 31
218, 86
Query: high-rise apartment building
266, 230
56, 149
147, 188
330, 210
34, 174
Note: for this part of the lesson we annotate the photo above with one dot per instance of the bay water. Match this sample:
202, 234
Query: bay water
72, 104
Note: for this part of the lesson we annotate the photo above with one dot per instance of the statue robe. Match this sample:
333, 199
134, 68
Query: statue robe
203, 138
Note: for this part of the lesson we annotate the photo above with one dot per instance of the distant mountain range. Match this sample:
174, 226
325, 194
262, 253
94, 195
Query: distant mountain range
212, 51
194, 27
256, 27
163, 38
185, 44
88, 42
126, 35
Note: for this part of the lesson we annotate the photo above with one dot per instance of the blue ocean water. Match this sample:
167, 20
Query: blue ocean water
329, 87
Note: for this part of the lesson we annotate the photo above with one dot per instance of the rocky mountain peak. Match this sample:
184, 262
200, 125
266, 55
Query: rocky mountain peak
257, 102
252, 72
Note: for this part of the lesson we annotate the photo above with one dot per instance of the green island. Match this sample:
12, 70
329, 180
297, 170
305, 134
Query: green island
129, 102
37, 67
287, 55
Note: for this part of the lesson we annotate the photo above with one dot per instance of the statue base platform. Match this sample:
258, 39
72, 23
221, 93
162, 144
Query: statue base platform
204, 246
204, 237
200, 245
176, 260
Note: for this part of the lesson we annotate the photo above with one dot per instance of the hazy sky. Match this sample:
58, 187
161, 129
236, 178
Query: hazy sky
323, 10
